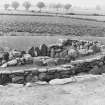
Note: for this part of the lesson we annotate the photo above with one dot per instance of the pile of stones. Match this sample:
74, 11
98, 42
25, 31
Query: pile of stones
64, 51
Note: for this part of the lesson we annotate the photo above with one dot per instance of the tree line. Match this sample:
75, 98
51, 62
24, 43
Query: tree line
40, 5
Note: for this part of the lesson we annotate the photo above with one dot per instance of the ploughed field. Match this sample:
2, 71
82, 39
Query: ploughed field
50, 25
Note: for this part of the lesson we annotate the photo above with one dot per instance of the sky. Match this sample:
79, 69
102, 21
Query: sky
79, 3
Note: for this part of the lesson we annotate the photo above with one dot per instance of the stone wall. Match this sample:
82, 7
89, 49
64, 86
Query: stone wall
93, 66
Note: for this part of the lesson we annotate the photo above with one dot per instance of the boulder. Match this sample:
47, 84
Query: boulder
37, 61
3, 61
73, 53
57, 55
50, 76
61, 41
18, 79
27, 56
13, 62
38, 52
42, 70
11, 56
65, 42
62, 81
1, 50
43, 57
6, 56
90, 51
4, 79
86, 77
28, 84
67, 66
52, 53
31, 52
76, 62
50, 62
60, 61
22, 53
1, 58
14, 54
55, 46
7, 49
41, 82
31, 78
58, 50
103, 69
68, 58
57, 75
28, 59
101, 64
95, 70
64, 53
42, 76
44, 50
82, 52
95, 48
4, 65
21, 61
1, 55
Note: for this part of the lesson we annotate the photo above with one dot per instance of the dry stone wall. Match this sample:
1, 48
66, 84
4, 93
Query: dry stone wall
93, 66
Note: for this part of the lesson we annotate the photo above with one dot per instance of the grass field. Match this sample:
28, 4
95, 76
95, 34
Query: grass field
24, 42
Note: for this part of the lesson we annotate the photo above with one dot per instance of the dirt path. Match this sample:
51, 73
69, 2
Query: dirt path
88, 92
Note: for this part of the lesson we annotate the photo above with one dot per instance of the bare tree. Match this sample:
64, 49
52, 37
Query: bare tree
98, 7
27, 5
58, 6
67, 6
15, 5
6, 6
40, 5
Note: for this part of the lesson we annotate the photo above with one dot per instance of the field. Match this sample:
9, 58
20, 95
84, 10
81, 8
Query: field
25, 42
50, 25
36, 30
89, 17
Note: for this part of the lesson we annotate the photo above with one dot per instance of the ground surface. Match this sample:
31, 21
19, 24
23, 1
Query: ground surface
85, 92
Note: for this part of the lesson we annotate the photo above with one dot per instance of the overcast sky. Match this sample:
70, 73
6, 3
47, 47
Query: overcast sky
82, 3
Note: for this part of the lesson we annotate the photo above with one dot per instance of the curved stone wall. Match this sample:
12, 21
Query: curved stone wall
93, 66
